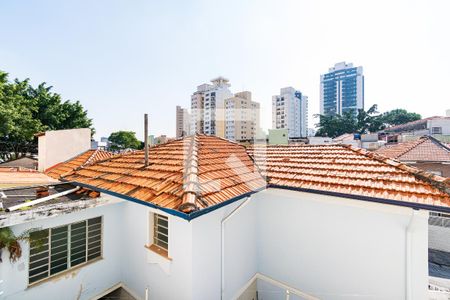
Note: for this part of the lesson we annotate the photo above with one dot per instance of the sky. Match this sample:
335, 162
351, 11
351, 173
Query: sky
122, 59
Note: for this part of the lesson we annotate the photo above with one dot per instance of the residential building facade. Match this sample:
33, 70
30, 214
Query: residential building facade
207, 107
341, 89
290, 111
241, 117
182, 122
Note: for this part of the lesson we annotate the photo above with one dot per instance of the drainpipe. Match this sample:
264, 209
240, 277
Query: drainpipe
43, 199
409, 236
224, 220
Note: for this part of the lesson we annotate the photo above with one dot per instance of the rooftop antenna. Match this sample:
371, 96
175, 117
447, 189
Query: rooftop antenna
146, 139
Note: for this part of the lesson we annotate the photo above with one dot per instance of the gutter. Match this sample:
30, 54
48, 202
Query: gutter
408, 254
44, 199
222, 252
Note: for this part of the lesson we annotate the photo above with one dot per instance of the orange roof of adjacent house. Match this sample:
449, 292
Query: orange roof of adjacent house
186, 174
85, 158
424, 149
347, 170
200, 172
13, 177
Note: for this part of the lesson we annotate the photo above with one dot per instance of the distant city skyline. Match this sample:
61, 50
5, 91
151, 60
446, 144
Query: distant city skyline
123, 60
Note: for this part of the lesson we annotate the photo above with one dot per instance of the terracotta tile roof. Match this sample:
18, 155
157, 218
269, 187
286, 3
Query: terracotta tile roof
424, 149
348, 170
13, 177
199, 172
85, 158
186, 174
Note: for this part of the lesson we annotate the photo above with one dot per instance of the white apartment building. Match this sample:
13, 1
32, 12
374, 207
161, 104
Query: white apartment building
182, 122
241, 117
207, 107
290, 110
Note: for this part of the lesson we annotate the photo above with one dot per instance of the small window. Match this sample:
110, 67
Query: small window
161, 231
55, 250
436, 130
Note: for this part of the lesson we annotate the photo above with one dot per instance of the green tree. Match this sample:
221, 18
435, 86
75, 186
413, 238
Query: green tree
362, 121
399, 116
25, 110
124, 139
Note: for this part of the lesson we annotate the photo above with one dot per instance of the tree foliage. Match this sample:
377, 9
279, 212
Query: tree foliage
26, 110
362, 121
121, 140
399, 116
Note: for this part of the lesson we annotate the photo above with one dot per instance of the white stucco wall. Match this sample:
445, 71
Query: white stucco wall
336, 248
240, 260
332, 248
60, 145
142, 268
81, 283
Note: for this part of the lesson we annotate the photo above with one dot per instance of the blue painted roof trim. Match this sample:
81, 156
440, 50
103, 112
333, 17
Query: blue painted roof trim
125, 197
173, 212
366, 198
201, 212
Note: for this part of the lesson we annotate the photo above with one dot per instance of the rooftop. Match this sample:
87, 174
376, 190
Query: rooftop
413, 125
348, 171
187, 174
85, 158
200, 172
424, 149
15, 176
15, 196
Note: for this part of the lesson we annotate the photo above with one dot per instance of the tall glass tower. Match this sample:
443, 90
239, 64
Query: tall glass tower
341, 89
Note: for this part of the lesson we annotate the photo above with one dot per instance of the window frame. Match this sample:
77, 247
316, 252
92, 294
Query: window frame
156, 225
68, 257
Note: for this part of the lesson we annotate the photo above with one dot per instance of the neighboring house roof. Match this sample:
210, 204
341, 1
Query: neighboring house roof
186, 174
85, 158
22, 162
14, 177
190, 176
14, 196
346, 170
344, 137
424, 149
413, 125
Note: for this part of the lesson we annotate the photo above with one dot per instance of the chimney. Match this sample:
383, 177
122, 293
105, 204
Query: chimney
57, 146
146, 139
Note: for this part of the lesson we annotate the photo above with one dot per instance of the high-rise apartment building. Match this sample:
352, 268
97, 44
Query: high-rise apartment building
341, 89
207, 107
182, 122
241, 117
290, 111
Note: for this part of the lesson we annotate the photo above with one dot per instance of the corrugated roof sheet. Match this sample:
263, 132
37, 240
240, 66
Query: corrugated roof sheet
348, 170
85, 158
424, 149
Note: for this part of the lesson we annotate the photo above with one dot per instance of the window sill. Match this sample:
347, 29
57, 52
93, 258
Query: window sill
63, 273
158, 250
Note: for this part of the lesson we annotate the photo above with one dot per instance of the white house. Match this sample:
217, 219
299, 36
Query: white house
210, 219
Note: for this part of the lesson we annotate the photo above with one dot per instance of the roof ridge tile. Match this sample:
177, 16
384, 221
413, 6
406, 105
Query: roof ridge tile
190, 178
